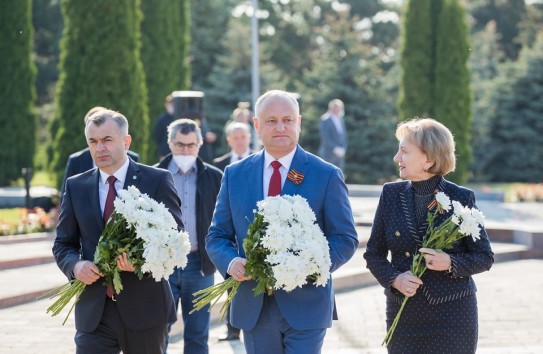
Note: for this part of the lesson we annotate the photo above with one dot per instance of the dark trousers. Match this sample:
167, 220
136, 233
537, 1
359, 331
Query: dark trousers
184, 283
111, 336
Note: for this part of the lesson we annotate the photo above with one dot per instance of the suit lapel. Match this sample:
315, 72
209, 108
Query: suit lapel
133, 176
408, 209
94, 197
300, 166
254, 170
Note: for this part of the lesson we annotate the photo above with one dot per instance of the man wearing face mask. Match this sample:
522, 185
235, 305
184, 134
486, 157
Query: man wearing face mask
197, 185
333, 134
161, 126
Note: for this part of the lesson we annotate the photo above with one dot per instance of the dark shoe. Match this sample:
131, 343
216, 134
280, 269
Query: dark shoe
229, 336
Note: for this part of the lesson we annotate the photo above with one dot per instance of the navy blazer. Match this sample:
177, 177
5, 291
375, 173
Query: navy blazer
143, 303
394, 230
308, 307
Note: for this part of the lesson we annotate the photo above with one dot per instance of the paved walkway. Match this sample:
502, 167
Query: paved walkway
511, 317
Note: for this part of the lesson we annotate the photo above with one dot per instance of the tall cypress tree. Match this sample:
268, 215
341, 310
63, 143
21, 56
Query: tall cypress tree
416, 61
164, 37
452, 88
17, 93
100, 65
435, 79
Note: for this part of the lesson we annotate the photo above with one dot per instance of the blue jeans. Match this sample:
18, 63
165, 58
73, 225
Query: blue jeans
184, 283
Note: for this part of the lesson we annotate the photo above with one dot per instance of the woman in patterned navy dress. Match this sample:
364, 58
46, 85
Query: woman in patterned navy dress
441, 314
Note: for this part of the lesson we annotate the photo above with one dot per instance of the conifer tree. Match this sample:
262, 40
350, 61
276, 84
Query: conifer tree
164, 43
17, 92
435, 79
516, 132
100, 65
452, 88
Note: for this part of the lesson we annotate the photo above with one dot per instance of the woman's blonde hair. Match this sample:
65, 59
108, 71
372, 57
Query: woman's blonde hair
434, 139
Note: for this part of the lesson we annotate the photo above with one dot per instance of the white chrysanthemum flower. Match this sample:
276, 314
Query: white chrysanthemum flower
443, 201
297, 246
479, 216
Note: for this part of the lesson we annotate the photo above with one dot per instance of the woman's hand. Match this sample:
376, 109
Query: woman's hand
435, 260
123, 263
407, 283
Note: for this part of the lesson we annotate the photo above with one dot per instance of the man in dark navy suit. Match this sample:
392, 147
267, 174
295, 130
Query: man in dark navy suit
135, 320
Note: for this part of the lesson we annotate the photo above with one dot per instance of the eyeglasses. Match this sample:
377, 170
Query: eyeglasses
180, 145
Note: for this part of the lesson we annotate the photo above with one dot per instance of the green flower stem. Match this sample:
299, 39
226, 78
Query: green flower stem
211, 295
65, 294
390, 332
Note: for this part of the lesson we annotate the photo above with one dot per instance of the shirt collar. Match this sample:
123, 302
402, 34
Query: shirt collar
235, 156
120, 174
285, 161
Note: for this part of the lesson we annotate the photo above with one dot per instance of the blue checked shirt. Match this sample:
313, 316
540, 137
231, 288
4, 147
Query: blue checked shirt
185, 184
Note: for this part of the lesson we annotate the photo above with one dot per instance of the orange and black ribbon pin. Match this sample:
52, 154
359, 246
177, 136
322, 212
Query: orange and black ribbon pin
295, 176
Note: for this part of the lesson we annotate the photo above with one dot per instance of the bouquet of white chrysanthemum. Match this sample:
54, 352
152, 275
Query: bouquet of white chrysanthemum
463, 222
285, 249
146, 231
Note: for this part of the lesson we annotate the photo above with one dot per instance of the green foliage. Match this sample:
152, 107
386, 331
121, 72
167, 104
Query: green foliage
47, 22
164, 43
17, 92
507, 14
516, 130
452, 99
435, 78
100, 65
208, 25
484, 67
347, 69
416, 61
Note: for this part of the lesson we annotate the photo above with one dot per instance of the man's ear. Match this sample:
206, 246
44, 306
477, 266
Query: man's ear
127, 141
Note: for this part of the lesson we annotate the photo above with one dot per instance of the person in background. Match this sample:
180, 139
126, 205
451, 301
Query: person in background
287, 322
134, 321
238, 137
160, 130
81, 161
197, 184
333, 134
242, 114
441, 315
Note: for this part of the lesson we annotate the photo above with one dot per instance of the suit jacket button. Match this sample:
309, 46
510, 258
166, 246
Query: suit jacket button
397, 233
407, 254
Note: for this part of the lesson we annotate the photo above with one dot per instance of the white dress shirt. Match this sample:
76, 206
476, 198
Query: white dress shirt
285, 161
103, 186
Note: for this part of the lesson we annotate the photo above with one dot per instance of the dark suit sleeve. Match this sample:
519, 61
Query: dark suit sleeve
66, 247
68, 172
377, 248
477, 257
338, 221
167, 194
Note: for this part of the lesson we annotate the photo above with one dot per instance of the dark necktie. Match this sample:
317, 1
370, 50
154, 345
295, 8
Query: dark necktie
275, 180
111, 194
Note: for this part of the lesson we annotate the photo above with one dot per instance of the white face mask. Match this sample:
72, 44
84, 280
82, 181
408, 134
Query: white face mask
184, 162
169, 109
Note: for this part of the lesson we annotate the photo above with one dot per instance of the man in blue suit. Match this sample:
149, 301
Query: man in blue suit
293, 322
333, 134
136, 320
